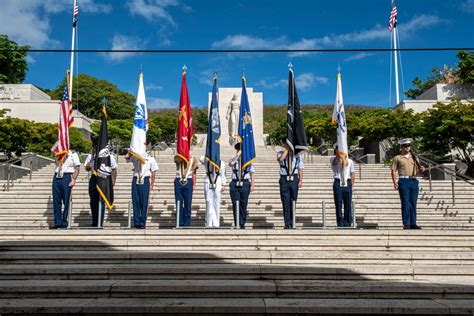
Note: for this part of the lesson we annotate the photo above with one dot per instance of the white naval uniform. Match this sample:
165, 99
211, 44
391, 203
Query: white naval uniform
214, 196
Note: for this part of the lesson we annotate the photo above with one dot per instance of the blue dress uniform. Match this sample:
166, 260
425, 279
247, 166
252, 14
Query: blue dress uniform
289, 189
240, 191
342, 194
183, 191
141, 188
62, 189
93, 193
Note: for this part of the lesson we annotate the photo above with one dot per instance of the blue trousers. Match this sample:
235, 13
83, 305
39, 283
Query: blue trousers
94, 203
240, 194
61, 195
184, 194
408, 190
288, 194
140, 195
343, 195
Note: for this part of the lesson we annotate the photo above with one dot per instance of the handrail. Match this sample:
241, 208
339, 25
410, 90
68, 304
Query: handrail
447, 170
17, 159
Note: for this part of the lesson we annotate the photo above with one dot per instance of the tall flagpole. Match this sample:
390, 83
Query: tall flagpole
397, 93
74, 25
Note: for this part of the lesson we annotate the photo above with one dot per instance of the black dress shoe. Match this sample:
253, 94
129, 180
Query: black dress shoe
415, 227
406, 227
55, 227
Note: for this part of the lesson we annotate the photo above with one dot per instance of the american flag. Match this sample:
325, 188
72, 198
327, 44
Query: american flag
393, 17
65, 121
76, 13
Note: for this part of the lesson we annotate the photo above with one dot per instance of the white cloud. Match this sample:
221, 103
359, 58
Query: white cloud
358, 56
271, 85
467, 6
307, 80
28, 21
123, 42
153, 9
376, 33
153, 87
304, 82
158, 103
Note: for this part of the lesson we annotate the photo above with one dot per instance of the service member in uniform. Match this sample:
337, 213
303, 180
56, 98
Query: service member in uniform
342, 191
407, 167
65, 175
213, 195
184, 185
290, 183
93, 192
143, 183
240, 187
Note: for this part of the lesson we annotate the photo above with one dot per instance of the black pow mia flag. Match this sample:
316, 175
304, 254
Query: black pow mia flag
296, 135
102, 164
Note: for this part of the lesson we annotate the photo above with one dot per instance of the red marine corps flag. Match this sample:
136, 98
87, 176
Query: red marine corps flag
185, 122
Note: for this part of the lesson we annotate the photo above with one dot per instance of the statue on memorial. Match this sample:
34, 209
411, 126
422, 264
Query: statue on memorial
233, 118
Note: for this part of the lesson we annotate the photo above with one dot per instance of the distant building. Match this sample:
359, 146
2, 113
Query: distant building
438, 93
25, 101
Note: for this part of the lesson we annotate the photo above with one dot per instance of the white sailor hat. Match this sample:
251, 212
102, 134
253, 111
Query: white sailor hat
404, 141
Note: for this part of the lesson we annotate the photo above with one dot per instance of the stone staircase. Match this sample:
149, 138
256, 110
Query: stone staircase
256, 272
28, 204
309, 270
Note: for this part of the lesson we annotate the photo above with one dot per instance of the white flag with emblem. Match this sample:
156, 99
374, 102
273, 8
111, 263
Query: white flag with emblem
339, 117
140, 124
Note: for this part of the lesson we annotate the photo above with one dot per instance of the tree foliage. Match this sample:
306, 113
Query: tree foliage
448, 127
463, 73
13, 65
88, 93
18, 136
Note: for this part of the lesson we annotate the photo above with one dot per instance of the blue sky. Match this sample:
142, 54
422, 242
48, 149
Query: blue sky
244, 24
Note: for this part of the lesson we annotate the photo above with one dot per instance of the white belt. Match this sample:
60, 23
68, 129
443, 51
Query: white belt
407, 177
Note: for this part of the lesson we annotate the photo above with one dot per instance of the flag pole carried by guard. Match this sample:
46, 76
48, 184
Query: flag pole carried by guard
213, 147
102, 163
295, 133
245, 133
185, 126
339, 117
140, 124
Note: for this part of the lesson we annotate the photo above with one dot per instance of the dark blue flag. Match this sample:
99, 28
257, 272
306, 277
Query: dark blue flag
213, 146
246, 129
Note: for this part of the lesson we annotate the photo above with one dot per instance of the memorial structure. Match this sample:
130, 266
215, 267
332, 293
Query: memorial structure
229, 107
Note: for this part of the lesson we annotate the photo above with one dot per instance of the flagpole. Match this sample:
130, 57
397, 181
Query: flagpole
74, 25
397, 94
290, 153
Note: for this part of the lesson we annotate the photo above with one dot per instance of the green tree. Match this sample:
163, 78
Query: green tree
13, 65
167, 121
88, 93
15, 135
120, 133
448, 127
465, 71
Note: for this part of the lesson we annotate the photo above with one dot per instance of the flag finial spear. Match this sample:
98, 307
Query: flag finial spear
104, 101
184, 69
339, 70
290, 65
215, 75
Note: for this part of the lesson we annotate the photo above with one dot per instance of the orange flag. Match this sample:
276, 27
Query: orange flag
185, 121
